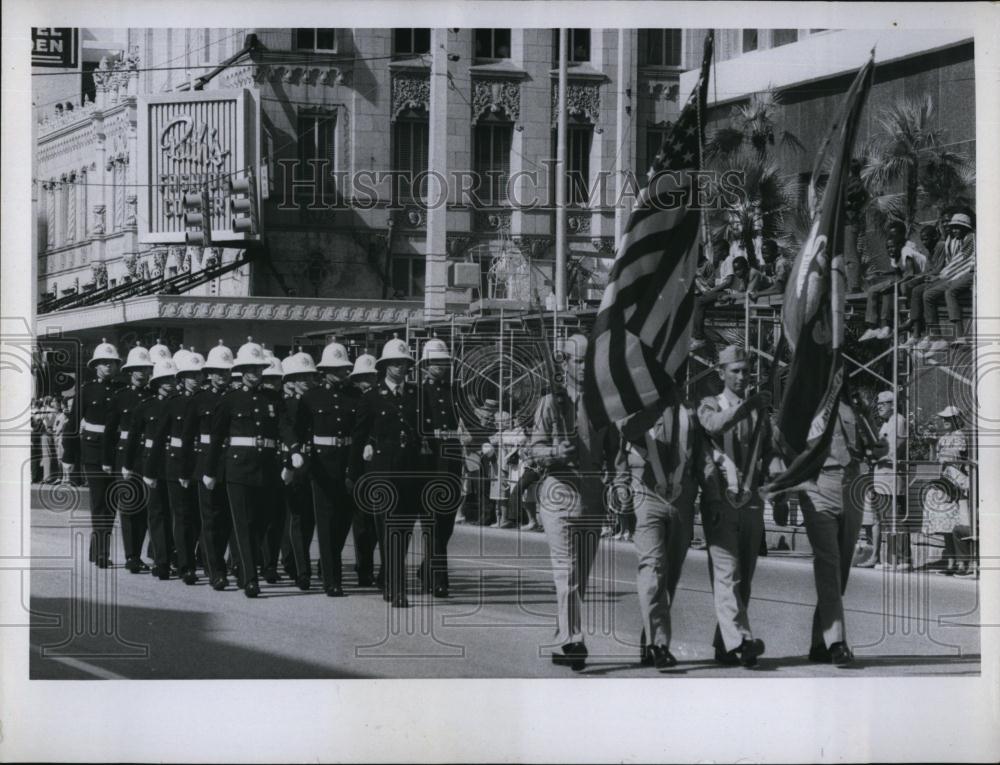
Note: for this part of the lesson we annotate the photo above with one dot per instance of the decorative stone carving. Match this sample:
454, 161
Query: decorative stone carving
605, 245
410, 91
100, 274
212, 258
492, 221
99, 210
458, 244
583, 101
116, 79
495, 97
159, 263
50, 214
578, 223
130, 211
666, 90
532, 246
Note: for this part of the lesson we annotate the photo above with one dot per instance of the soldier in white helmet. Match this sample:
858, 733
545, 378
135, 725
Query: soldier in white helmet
82, 445
444, 437
247, 430
145, 455
216, 520
324, 420
275, 516
131, 497
366, 533
387, 437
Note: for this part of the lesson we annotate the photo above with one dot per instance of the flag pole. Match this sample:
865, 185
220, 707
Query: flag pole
560, 175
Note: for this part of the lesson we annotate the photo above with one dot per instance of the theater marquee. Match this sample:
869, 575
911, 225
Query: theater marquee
193, 142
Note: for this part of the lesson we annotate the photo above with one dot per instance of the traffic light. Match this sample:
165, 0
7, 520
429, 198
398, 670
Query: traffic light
197, 220
243, 204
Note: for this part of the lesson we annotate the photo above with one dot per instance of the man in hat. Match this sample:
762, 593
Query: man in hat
386, 436
145, 455
572, 453
129, 491
832, 518
82, 445
734, 520
247, 430
275, 514
478, 456
889, 485
216, 520
363, 527
444, 437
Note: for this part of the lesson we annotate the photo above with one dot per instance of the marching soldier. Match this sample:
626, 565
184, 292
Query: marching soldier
299, 370
445, 438
387, 437
82, 445
182, 412
216, 521
324, 422
274, 516
145, 455
128, 488
246, 429
734, 525
366, 532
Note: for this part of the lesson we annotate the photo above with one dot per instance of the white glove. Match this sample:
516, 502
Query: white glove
126, 473
150, 482
184, 482
106, 468
297, 460
487, 449
208, 481
286, 474
368, 453
67, 468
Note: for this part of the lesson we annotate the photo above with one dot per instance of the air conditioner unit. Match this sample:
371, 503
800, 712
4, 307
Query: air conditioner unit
465, 275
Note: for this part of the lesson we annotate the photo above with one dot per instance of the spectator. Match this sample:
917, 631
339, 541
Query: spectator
58, 426
889, 486
952, 449
732, 288
952, 282
905, 262
773, 276
914, 287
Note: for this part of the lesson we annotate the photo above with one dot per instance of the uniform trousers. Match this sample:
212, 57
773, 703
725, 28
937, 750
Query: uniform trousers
273, 525
248, 507
733, 535
439, 503
662, 537
102, 513
833, 519
216, 526
571, 512
301, 525
333, 506
187, 522
397, 517
366, 538
160, 524
131, 502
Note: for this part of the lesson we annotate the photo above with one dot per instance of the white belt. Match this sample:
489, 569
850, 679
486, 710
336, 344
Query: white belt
91, 427
148, 443
123, 434
264, 443
176, 442
204, 438
331, 441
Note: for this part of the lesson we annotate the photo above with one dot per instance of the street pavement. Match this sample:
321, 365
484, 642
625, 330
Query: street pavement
499, 622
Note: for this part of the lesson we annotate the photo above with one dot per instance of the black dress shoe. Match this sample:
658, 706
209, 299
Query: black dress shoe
441, 592
103, 563
819, 654
645, 657
252, 590
133, 565
270, 575
220, 583
143, 566
366, 581
400, 601
841, 655
190, 577
161, 572
302, 583
729, 658
662, 658
574, 656
749, 651
335, 591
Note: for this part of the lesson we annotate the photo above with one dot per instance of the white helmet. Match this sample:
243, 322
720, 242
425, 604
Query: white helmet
104, 351
163, 368
334, 357
273, 368
268, 353
220, 357
364, 365
188, 361
159, 352
435, 349
395, 350
250, 354
137, 358
300, 363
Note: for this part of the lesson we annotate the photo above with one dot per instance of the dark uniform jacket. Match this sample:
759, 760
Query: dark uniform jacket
83, 438
182, 412
441, 426
248, 428
205, 403
148, 437
388, 422
327, 413
119, 422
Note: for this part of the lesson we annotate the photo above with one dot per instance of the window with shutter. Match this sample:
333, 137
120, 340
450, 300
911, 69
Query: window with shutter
410, 144
492, 161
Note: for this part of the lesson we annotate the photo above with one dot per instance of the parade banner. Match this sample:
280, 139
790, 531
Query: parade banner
193, 143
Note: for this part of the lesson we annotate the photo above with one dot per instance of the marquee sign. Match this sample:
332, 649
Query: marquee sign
191, 143
55, 46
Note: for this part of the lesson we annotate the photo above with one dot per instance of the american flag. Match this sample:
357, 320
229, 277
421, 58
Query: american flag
641, 335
